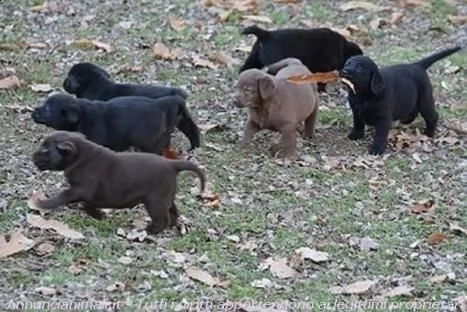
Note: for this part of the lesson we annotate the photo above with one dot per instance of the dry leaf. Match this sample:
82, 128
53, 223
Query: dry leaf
11, 46
258, 18
413, 3
38, 45
223, 58
176, 24
130, 69
45, 7
103, 46
88, 44
321, 77
45, 248
313, 255
456, 228
436, 238
262, 283
11, 82
77, 267
200, 62
279, 268
17, 243
462, 303
161, 51
377, 23
33, 202
422, 207
353, 5
45, 87
117, 286
438, 279
356, 288
211, 200
399, 291
205, 277
170, 153
367, 244
125, 260
60, 228
46, 291
458, 19
396, 17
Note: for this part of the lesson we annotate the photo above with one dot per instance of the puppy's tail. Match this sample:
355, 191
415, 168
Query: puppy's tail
188, 127
430, 60
181, 165
257, 31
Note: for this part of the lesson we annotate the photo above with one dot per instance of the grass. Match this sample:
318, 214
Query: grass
273, 209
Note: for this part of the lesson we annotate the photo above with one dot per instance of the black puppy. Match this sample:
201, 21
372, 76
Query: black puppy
91, 82
397, 92
319, 49
120, 123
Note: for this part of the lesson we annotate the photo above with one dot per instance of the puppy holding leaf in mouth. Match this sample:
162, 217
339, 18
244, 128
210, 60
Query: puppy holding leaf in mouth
277, 105
101, 178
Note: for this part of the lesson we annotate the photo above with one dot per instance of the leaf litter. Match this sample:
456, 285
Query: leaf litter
50, 224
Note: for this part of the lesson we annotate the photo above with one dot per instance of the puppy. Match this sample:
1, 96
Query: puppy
398, 92
91, 82
319, 49
277, 105
101, 178
120, 123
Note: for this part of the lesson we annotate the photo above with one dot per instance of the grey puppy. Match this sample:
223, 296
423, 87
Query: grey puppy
101, 178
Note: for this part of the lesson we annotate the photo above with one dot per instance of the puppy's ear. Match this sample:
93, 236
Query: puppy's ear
376, 83
71, 114
67, 147
266, 86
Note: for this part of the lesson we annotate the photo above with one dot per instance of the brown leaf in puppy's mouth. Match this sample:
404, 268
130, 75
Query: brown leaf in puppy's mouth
321, 77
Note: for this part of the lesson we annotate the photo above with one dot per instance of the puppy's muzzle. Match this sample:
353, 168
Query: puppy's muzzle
41, 161
345, 73
38, 116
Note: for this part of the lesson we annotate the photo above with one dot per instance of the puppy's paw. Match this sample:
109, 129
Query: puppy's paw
356, 135
377, 150
94, 212
155, 228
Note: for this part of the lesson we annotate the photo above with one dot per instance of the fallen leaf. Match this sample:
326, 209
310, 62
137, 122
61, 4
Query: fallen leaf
399, 291
456, 228
315, 77
367, 244
458, 19
103, 46
353, 5
170, 153
45, 248
125, 260
212, 200
201, 62
377, 23
11, 46
462, 303
161, 51
130, 69
436, 238
223, 58
137, 235
438, 279
262, 283
233, 238
258, 18
11, 82
413, 3
279, 268
422, 207
60, 228
17, 243
313, 255
41, 87
33, 200
88, 44
117, 286
396, 17
37, 45
46, 291
212, 127
205, 277
45, 7
176, 24
177, 257
356, 288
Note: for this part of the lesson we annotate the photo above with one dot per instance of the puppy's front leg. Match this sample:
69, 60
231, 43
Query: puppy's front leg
358, 130
288, 142
380, 140
250, 130
65, 197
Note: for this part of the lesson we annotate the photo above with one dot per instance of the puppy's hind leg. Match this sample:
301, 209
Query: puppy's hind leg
93, 212
310, 123
158, 210
428, 112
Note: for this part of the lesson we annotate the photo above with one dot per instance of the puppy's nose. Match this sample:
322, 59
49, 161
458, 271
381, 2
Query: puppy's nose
344, 72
